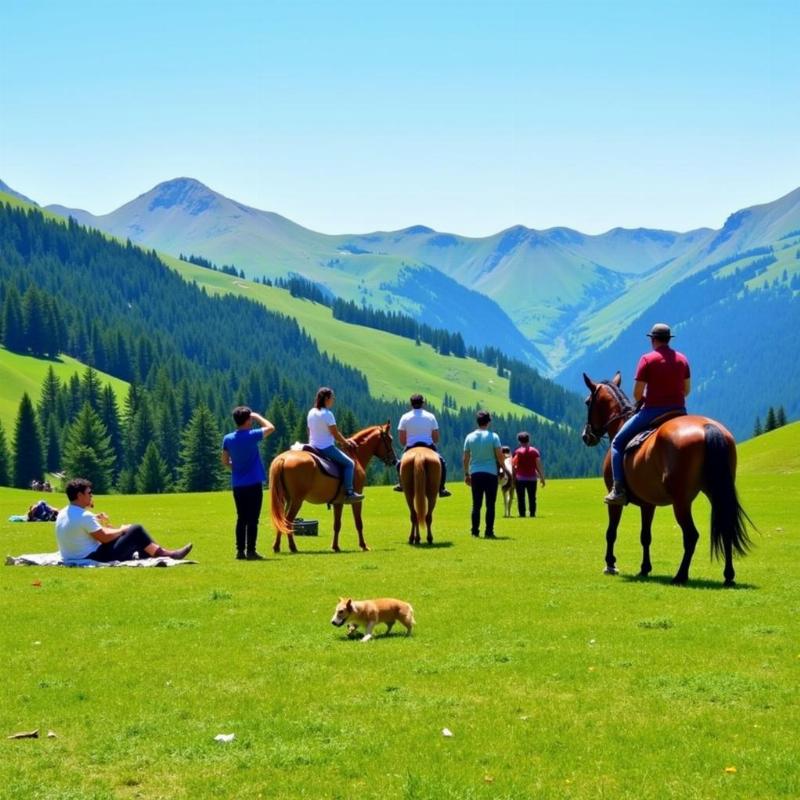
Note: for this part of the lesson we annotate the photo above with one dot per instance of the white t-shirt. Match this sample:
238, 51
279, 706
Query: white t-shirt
419, 426
319, 436
74, 529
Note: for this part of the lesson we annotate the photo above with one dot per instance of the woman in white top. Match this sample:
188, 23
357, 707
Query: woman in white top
323, 435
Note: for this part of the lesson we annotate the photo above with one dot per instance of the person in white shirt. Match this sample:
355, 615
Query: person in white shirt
419, 428
323, 435
81, 534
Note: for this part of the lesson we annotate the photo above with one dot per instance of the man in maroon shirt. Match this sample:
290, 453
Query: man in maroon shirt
662, 383
527, 468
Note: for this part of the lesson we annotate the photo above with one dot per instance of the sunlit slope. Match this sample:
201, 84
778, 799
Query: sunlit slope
20, 374
773, 453
395, 367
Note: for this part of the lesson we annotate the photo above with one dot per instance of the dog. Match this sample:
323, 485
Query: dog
371, 612
508, 486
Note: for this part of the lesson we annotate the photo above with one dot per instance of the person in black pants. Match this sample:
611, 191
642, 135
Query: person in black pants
241, 455
483, 458
81, 534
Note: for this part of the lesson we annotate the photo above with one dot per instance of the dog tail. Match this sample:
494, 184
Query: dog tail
411, 612
420, 480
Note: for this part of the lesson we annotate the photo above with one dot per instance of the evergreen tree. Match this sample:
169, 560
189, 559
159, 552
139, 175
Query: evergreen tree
52, 437
48, 398
5, 459
35, 321
152, 476
91, 389
200, 469
758, 430
27, 455
780, 417
769, 425
88, 452
169, 433
13, 325
109, 416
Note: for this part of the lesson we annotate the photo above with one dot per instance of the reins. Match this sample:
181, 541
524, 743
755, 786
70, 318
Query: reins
626, 410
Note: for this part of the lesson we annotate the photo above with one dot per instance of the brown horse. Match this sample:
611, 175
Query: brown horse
294, 477
685, 456
420, 473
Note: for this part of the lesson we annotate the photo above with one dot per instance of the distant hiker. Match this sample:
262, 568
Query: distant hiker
662, 384
81, 534
482, 459
242, 456
526, 464
419, 428
323, 435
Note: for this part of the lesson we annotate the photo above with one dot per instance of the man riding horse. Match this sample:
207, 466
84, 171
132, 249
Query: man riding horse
662, 383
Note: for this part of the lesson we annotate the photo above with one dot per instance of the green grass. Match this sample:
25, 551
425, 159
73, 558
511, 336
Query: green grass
20, 374
776, 452
556, 681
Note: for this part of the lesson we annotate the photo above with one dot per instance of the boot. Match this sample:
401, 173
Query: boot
353, 497
176, 554
617, 495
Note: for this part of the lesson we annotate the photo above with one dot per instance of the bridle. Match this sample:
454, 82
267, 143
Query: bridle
389, 458
591, 435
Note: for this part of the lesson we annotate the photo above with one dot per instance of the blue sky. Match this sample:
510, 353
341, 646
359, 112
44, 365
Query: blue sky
351, 116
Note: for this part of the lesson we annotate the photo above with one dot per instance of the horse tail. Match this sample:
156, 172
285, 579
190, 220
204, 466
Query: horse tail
420, 486
728, 518
277, 497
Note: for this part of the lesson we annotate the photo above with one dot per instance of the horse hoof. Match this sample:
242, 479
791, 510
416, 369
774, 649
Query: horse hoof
364, 548
644, 574
679, 580
336, 549
610, 571
730, 582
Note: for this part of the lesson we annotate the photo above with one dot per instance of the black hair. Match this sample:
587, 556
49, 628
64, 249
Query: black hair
523, 437
417, 401
241, 414
483, 418
322, 395
77, 486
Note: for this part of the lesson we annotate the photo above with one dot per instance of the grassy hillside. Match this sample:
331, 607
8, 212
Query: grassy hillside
394, 366
773, 453
20, 374
555, 681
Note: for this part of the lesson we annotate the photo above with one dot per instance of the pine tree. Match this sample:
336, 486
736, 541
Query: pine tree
88, 452
13, 324
109, 416
52, 436
28, 460
5, 459
152, 476
34, 321
780, 417
758, 430
770, 423
200, 469
91, 389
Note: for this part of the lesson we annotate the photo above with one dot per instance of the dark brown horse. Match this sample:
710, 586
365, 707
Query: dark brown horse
420, 473
294, 478
685, 456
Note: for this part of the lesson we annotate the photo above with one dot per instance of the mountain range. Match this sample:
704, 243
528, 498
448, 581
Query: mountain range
556, 298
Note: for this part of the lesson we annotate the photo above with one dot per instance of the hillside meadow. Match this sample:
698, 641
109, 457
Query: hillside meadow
555, 680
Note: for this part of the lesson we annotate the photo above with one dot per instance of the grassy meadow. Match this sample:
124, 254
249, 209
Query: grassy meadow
555, 680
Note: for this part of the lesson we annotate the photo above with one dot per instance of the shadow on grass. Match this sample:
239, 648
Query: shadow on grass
694, 583
434, 545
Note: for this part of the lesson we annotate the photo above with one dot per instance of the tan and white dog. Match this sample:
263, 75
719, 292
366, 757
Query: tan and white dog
508, 486
370, 612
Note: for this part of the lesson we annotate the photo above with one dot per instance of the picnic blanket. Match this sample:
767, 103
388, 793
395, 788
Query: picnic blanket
55, 560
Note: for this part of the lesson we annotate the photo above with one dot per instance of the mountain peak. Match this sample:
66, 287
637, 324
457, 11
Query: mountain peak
4, 187
187, 193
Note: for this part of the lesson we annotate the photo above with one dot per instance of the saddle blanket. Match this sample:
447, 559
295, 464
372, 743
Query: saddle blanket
328, 467
641, 438
55, 560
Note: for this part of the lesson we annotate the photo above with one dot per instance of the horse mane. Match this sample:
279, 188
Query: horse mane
625, 404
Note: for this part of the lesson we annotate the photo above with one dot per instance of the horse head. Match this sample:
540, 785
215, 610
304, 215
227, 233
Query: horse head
605, 404
379, 439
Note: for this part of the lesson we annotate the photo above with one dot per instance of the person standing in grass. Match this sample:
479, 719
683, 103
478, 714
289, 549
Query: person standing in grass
526, 465
81, 534
483, 458
242, 456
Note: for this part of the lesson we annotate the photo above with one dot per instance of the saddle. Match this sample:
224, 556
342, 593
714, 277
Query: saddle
640, 438
324, 464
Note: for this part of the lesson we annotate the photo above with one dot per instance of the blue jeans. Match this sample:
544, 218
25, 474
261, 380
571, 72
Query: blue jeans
639, 422
345, 462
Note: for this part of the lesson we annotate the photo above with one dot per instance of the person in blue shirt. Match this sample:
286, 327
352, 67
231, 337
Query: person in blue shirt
242, 456
483, 458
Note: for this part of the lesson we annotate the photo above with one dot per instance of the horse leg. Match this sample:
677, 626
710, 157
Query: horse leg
413, 518
293, 509
337, 526
359, 526
729, 572
683, 515
646, 537
428, 521
614, 516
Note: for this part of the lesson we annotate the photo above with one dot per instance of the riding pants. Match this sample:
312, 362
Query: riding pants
639, 422
345, 462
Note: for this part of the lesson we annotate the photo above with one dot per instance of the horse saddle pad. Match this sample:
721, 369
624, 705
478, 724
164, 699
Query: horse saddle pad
328, 467
641, 438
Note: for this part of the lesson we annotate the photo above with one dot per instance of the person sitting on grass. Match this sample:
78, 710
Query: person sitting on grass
82, 534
